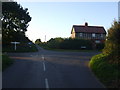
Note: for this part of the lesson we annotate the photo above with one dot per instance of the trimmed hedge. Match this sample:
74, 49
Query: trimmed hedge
68, 43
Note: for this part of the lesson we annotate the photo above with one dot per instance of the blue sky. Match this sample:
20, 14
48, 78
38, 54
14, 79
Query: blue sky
55, 19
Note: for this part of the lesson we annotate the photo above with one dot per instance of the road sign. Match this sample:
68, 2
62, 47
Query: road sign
15, 43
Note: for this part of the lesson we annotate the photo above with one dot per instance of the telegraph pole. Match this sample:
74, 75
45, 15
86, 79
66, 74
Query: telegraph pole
45, 38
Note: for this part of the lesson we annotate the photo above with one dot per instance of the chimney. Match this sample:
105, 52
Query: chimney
86, 24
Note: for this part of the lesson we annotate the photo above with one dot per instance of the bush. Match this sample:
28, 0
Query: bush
100, 46
106, 72
112, 44
68, 43
6, 61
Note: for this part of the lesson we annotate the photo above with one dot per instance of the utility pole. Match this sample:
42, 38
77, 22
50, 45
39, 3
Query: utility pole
45, 38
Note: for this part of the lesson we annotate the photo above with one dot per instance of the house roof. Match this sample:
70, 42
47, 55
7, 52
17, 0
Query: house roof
88, 29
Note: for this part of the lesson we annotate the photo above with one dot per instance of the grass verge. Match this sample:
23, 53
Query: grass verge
107, 73
6, 61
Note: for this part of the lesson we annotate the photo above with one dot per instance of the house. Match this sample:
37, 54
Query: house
95, 33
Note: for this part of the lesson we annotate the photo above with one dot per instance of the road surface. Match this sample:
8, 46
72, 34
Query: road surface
50, 69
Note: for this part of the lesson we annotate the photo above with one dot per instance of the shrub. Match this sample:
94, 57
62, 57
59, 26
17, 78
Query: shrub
100, 46
112, 44
68, 43
6, 61
106, 72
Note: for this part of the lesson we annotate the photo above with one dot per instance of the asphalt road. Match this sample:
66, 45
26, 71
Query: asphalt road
50, 69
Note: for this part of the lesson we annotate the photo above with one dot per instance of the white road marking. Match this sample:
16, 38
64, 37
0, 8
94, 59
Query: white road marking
43, 58
44, 66
46, 84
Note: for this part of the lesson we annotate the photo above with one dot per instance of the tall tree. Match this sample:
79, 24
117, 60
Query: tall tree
38, 41
15, 21
112, 44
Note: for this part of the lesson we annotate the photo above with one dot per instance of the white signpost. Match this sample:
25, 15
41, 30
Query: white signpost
15, 44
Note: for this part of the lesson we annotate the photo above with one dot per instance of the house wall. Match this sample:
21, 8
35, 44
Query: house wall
73, 35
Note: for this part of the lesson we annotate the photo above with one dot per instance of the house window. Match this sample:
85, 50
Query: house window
93, 34
81, 34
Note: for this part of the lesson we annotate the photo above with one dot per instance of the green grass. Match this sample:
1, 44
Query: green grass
107, 73
20, 48
6, 62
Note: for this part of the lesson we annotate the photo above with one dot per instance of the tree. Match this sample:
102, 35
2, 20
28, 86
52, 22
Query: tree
14, 21
55, 42
112, 44
38, 41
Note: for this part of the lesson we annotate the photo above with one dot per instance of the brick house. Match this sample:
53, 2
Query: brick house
96, 34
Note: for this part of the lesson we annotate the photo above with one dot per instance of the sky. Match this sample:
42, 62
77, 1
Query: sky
55, 19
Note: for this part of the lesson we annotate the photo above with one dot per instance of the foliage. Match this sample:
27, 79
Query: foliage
76, 44
6, 61
55, 42
106, 72
106, 66
68, 43
100, 46
38, 41
22, 47
112, 44
14, 22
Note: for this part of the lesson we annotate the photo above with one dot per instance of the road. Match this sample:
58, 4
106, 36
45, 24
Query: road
50, 69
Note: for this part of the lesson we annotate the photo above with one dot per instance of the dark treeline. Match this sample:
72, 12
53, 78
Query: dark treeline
60, 43
69, 43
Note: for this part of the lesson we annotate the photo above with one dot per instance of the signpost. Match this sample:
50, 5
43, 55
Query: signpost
15, 43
